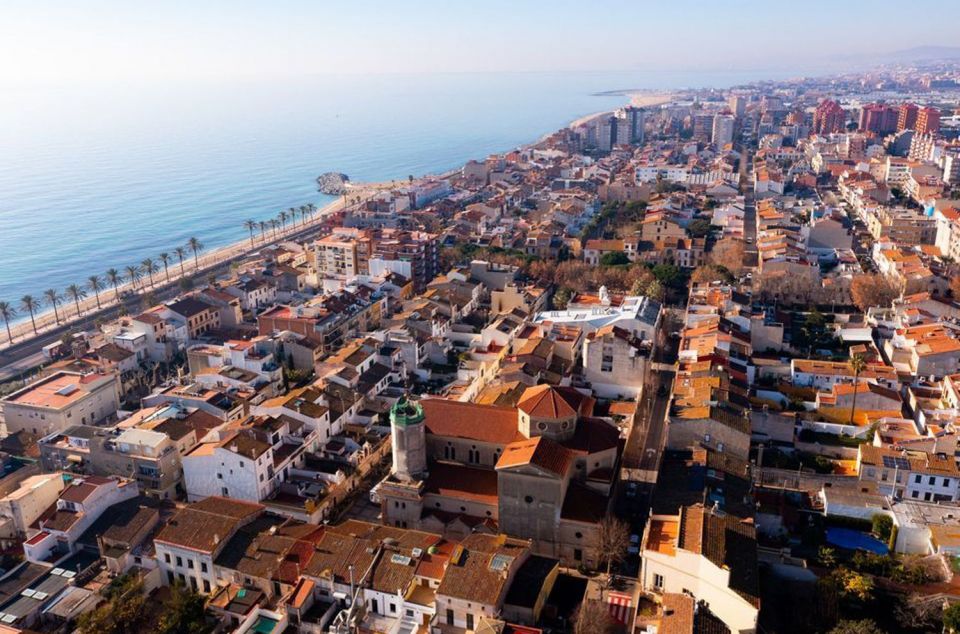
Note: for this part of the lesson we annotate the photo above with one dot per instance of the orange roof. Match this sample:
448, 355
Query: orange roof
545, 402
486, 423
539, 451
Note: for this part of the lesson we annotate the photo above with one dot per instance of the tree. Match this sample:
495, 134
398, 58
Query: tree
855, 585
54, 299
114, 277
196, 247
593, 617
711, 273
614, 258
125, 611
827, 556
7, 312
263, 231
951, 618
149, 267
183, 613
863, 626
858, 364
133, 275
668, 274
728, 252
76, 293
699, 228
95, 284
165, 259
30, 305
612, 541
181, 253
873, 290
561, 298
251, 226
283, 216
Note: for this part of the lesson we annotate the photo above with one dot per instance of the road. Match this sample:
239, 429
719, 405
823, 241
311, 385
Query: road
22, 356
751, 257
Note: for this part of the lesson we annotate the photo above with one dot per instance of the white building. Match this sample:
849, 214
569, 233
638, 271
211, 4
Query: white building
615, 362
723, 129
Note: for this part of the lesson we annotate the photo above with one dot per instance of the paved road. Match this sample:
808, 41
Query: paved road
24, 355
751, 256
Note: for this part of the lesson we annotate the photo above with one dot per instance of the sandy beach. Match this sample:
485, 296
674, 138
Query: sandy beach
108, 296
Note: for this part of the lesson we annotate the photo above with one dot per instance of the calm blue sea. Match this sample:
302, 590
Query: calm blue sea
93, 177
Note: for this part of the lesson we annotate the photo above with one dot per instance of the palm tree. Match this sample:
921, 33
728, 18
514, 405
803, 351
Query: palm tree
194, 245
165, 258
149, 267
76, 293
283, 216
114, 277
273, 225
251, 226
858, 363
53, 299
30, 305
263, 230
95, 284
311, 209
133, 275
7, 312
180, 252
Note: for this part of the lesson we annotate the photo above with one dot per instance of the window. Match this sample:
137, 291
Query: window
577, 554
170, 577
166, 557
179, 562
206, 586
224, 492
658, 582
946, 482
528, 499
190, 564
449, 616
917, 479
393, 608
933, 480
469, 621
915, 493
203, 566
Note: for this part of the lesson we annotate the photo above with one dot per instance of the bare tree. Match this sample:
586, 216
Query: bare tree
593, 617
728, 252
613, 540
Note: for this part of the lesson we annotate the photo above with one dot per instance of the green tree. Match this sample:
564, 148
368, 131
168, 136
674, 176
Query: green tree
123, 613
30, 304
699, 228
882, 526
668, 275
195, 247
951, 618
561, 298
165, 260
54, 299
133, 275
181, 253
149, 267
76, 293
114, 277
614, 258
183, 613
251, 226
7, 312
858, 364
95, 284
863, 626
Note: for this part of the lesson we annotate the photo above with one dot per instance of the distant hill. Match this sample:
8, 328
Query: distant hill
906, 56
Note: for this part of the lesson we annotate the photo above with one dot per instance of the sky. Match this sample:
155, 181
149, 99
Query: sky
46, 41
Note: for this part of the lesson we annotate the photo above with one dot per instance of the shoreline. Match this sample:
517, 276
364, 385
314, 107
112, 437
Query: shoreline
22, 329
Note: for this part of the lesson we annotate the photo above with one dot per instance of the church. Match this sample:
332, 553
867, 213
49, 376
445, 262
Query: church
543, 470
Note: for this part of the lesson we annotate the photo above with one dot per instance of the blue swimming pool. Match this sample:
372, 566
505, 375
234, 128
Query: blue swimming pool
855, 540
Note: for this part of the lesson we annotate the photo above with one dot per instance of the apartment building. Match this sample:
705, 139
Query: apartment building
61, 400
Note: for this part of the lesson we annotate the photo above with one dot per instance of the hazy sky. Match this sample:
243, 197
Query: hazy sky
48, 41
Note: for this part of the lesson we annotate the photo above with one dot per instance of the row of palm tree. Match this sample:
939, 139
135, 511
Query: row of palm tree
132, 274
280, 222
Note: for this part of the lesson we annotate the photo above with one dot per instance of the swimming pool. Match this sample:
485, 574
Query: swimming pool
855, 540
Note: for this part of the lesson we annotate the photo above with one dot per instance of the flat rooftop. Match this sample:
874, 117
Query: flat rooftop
55, 391
663, 536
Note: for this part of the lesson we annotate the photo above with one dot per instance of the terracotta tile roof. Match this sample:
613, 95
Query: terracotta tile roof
543, 401
460, 482
541, 452
486, 423
727, 541
204, 525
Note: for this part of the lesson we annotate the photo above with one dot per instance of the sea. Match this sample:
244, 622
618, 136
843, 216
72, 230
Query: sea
94, 176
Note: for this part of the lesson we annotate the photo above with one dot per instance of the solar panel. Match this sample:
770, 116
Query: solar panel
40, 596
888, 462
8, 618
29, 592
902, 463
68, 574
500, 562
403, 560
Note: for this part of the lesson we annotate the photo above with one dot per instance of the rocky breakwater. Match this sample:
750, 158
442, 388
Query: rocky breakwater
333, 183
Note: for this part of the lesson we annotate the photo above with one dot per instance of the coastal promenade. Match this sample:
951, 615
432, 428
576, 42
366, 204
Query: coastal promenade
126, 294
